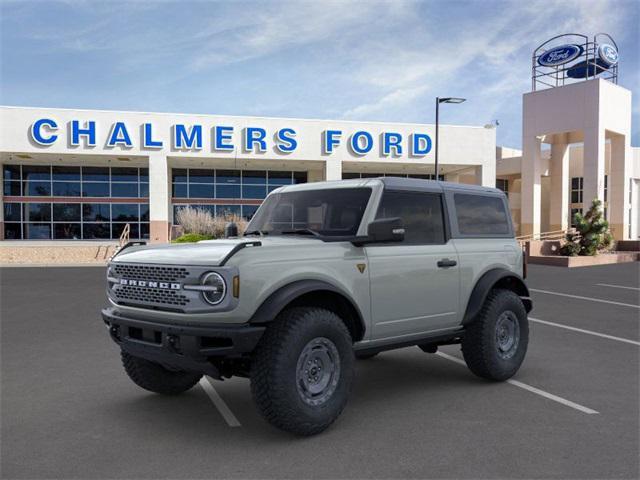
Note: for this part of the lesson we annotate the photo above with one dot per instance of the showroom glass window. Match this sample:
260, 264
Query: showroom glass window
73, 202
196, 186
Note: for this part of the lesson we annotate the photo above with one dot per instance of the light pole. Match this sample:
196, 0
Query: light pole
438, 102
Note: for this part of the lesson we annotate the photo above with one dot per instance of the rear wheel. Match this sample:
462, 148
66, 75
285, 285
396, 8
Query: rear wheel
156, 378
302, 370
495, 344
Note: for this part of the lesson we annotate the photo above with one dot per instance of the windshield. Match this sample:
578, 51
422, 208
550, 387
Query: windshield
322, 212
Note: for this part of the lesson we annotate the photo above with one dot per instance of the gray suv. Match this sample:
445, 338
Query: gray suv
326, 273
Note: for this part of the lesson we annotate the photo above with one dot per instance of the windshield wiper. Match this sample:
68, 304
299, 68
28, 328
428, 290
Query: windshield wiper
301, 231
256, 232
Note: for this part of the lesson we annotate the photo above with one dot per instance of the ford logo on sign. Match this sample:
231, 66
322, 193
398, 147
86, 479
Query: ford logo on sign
560, 55
608, 54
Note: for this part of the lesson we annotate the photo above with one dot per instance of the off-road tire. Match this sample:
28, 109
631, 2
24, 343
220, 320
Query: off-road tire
155, 378
480, 345
366, 356
274, 370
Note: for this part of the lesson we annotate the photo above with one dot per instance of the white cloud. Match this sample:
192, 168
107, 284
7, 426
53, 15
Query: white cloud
362, 60
495, 51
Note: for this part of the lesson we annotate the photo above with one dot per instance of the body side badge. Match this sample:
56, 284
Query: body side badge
362, 267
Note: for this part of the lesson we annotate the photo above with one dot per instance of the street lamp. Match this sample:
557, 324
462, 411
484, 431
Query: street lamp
438, 102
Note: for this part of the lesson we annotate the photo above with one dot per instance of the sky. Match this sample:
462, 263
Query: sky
345, 60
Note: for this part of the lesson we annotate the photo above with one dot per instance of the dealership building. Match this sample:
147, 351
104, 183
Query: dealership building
83, 174
86, 174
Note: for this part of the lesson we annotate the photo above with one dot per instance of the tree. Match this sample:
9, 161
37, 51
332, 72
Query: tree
592, 233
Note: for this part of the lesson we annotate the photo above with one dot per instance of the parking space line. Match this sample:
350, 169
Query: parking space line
529, 388
217, 400
617, 286
610, 337
585, 298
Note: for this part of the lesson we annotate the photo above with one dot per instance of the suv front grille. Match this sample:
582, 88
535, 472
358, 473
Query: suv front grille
151, 286
133, 295
151, 272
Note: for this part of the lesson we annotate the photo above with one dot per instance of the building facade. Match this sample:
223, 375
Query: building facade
509, 179
85, 174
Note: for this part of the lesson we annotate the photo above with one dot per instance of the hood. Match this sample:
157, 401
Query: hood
208, 252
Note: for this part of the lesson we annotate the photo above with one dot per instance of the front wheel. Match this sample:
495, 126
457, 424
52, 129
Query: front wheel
302, 370
156, 378
495, 344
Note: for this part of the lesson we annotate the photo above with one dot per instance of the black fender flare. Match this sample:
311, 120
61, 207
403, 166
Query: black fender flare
278, 300
490, 279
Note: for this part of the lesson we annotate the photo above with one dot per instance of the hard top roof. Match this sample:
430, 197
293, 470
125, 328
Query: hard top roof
408, 183
394, 182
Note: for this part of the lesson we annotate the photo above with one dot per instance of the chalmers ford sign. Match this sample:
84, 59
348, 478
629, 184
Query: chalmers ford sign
220, 138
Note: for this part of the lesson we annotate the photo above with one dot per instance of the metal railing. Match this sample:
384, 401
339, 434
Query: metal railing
124, 236
543, 76
550, 235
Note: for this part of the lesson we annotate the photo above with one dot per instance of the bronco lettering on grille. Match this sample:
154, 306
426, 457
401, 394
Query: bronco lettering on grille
150, 284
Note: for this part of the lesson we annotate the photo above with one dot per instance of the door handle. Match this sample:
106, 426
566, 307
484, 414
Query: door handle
446, 263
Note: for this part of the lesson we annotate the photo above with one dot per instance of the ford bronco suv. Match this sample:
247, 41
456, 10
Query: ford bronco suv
326, 273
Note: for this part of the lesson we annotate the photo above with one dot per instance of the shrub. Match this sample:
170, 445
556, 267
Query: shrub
192, 238
201, 222
196, 220
592, 233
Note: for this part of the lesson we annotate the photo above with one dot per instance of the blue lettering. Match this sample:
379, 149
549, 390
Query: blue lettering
421, 144
89, 131
119, 136
222, 137
147, 138
186, 139
286, 141
356, 145
253, 136
392, 140
36, 131
330, 140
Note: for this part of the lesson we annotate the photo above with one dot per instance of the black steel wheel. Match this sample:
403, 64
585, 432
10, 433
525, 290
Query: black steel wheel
156, 378
495, 344
302, 370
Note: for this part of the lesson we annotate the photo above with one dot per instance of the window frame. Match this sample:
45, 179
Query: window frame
413, 191
453, 214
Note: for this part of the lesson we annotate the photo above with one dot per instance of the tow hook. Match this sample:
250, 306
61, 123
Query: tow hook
114, 331
173, 342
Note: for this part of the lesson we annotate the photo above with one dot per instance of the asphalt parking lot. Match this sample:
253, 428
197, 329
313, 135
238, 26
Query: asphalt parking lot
572, 411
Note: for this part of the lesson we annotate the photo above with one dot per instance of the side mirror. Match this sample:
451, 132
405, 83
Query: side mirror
383, 230
230, 230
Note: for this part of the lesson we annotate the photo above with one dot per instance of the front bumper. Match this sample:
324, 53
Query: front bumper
181, 347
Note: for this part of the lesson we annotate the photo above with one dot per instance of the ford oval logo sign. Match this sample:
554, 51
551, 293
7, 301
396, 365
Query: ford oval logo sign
560, 55
608, 54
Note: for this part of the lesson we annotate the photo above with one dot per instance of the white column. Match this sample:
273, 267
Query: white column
333, 169
619, 186
486, 174
159, 198
593, 166
559, 204
531, 185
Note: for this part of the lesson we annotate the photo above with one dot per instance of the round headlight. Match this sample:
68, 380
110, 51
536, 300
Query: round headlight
215, 288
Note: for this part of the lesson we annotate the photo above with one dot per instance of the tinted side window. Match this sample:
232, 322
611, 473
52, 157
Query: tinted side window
481, 215
421, 214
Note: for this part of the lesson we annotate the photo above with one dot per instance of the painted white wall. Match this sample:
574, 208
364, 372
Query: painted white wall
460, 145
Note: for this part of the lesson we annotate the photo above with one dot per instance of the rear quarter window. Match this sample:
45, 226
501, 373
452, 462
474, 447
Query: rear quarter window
480, 215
